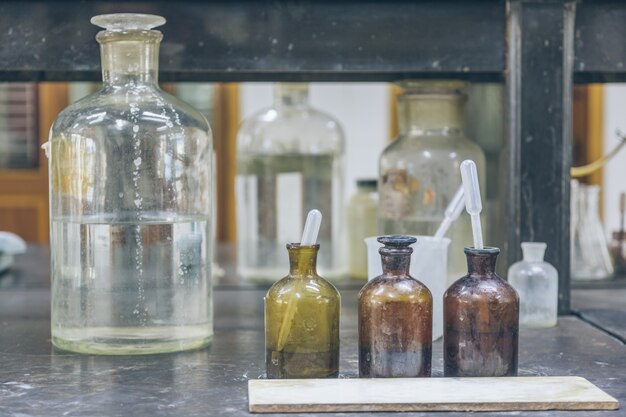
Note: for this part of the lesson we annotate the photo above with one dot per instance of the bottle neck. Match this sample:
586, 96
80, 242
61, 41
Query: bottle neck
130, 57
533, 252
481, 263
302, 260
424, 113
291, 95
396, 262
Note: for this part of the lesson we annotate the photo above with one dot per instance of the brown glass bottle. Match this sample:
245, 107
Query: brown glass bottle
302, 321
481, 320
395, 317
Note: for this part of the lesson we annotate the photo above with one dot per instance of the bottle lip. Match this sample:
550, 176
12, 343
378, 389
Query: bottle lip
125, 22
434, 87
397, 241
297, 245
531, 245
487, 250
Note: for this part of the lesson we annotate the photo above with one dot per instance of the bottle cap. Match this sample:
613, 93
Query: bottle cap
397, 241
119, 22
367, 183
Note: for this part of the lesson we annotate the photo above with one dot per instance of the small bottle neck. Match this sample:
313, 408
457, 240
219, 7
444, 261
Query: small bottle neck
129, 57
533, 252
302, 260
430, 113
482, 263
396, 262
291, 95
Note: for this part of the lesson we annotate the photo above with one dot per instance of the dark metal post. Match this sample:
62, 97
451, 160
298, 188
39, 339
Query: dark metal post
539, 85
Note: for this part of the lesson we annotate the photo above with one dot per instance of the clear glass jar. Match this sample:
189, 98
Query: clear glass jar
290, 161
537, 284
395, 317
302, 320
419, 171
130, 201
361, 223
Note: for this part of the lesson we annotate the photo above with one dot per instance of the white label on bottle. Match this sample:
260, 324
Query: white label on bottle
289, 207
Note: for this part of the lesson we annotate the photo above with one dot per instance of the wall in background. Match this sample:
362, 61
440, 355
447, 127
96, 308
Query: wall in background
361, 108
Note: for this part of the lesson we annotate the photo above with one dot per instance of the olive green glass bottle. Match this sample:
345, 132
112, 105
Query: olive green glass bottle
302, 320
395, 317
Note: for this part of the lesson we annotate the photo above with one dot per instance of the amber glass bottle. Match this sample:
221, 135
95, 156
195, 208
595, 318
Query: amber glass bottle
302, 320
395, 317
481, 320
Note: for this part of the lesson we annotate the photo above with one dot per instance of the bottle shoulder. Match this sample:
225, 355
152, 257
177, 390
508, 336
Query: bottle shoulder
474, 288
302, 287
405, 289
271, 131
433, 148
524, 269
119, 108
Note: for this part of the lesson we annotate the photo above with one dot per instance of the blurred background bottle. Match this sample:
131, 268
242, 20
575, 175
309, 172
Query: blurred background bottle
290, 161
361, 223
419, 172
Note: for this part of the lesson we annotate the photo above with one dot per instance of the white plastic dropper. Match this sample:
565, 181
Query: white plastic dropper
452, 212
473, 203
311, 228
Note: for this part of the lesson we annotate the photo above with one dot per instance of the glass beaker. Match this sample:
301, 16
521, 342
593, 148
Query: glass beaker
130, 203
290, 161
429, 264
590, 253
419, 172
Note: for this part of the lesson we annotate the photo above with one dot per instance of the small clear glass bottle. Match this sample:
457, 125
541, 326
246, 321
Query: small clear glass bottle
361, 223
537, 284
395, 317
290, 161
302, 320
481, 320
130, 205
419, 171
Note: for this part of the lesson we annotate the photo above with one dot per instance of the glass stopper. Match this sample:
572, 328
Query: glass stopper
119, 22
398, 241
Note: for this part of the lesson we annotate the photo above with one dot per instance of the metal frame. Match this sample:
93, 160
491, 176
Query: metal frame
538, 47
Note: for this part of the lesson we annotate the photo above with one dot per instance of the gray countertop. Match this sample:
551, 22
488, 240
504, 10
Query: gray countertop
37, 380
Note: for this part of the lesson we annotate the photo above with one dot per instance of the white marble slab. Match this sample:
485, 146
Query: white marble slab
427, 394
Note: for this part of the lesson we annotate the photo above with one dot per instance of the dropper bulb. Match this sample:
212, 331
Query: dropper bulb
311, 228
469, 176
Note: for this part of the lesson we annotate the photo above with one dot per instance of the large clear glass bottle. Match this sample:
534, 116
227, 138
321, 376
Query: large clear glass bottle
361, 223
130, 201
290, 161
419, 172
302, 320
480, 320
537, 284
395, 317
